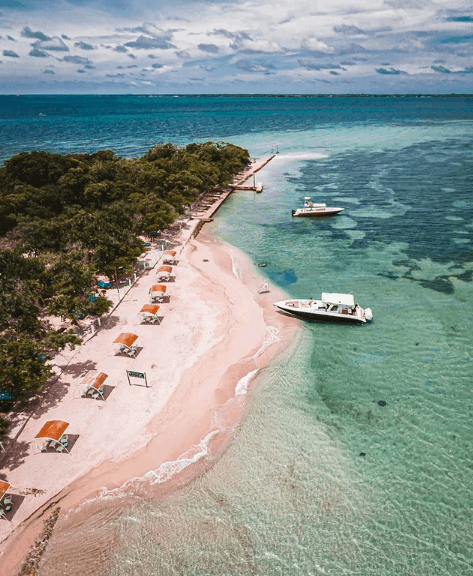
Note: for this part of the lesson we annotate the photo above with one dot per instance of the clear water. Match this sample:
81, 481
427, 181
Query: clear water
355, 453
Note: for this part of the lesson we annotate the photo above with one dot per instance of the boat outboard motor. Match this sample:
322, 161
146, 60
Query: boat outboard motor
368, 314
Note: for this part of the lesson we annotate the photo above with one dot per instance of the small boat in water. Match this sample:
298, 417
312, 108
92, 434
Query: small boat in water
332, 308
311, 209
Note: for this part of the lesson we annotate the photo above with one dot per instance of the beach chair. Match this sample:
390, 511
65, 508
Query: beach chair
131, 351
2, 513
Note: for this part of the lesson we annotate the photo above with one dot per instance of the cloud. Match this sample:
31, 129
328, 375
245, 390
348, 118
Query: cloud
246, 44
182, 54
10, 54
76, 60
38, 53
80, 71
147, 43
84, 46
53, 44
441, 69
314, 65
10, 38
28, 33
226, 33
245, 65
393, 71
211, 48
156, 65
348, 30
314, 45
120, 49
49, 72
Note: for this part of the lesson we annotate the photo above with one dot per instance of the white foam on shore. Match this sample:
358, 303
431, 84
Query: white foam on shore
169, 469
270, 336
235, 270
242, 384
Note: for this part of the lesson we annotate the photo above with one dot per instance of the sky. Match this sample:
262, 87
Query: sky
236, 47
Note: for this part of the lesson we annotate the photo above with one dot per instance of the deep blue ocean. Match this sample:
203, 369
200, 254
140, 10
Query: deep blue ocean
355, 456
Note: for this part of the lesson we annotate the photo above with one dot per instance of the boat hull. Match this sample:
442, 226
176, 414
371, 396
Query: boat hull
321, 315
316, 213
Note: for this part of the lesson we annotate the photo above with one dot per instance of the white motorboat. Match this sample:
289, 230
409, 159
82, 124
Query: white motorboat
332, 308
311, 209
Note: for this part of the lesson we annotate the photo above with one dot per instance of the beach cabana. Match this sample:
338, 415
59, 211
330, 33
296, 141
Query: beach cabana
52, 434
92, 384
126, 343
169, 257
157, 293
164, 273
5, 503
149, 313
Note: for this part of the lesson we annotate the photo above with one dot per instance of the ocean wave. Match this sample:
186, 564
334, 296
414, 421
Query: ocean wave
235, 269
270, 336
169, 469
242, 385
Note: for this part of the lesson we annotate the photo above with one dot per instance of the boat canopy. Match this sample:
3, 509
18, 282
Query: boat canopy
346, 300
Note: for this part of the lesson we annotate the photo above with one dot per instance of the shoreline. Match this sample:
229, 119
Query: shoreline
229, 342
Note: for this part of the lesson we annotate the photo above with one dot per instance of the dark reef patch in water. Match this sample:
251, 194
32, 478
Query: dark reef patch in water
283, 278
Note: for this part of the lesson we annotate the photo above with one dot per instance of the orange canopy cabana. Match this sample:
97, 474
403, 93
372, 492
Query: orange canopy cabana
92, 383
157, 292
126, 343
125, 338
149, 309
169, 256
3, 488
163, 272
149, 313
52, 431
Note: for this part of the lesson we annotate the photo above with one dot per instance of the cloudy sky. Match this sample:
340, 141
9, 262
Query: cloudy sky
229, 46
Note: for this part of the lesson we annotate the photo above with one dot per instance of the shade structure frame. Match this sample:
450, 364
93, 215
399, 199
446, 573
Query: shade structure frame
93, 381
4, 486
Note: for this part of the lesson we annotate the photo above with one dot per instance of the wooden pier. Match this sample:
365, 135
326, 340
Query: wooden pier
240, 180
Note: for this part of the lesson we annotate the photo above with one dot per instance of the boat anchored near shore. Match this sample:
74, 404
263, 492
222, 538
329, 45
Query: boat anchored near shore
332, 307
312, 209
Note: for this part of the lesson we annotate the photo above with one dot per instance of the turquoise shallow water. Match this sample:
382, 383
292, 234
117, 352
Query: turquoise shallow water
355, 454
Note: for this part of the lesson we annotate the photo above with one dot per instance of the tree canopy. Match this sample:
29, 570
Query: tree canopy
64, 220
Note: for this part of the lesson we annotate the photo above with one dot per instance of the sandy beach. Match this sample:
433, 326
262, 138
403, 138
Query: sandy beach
216, 332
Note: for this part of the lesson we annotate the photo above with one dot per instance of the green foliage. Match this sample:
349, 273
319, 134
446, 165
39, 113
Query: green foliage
66, 219
21, 370
4, 424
